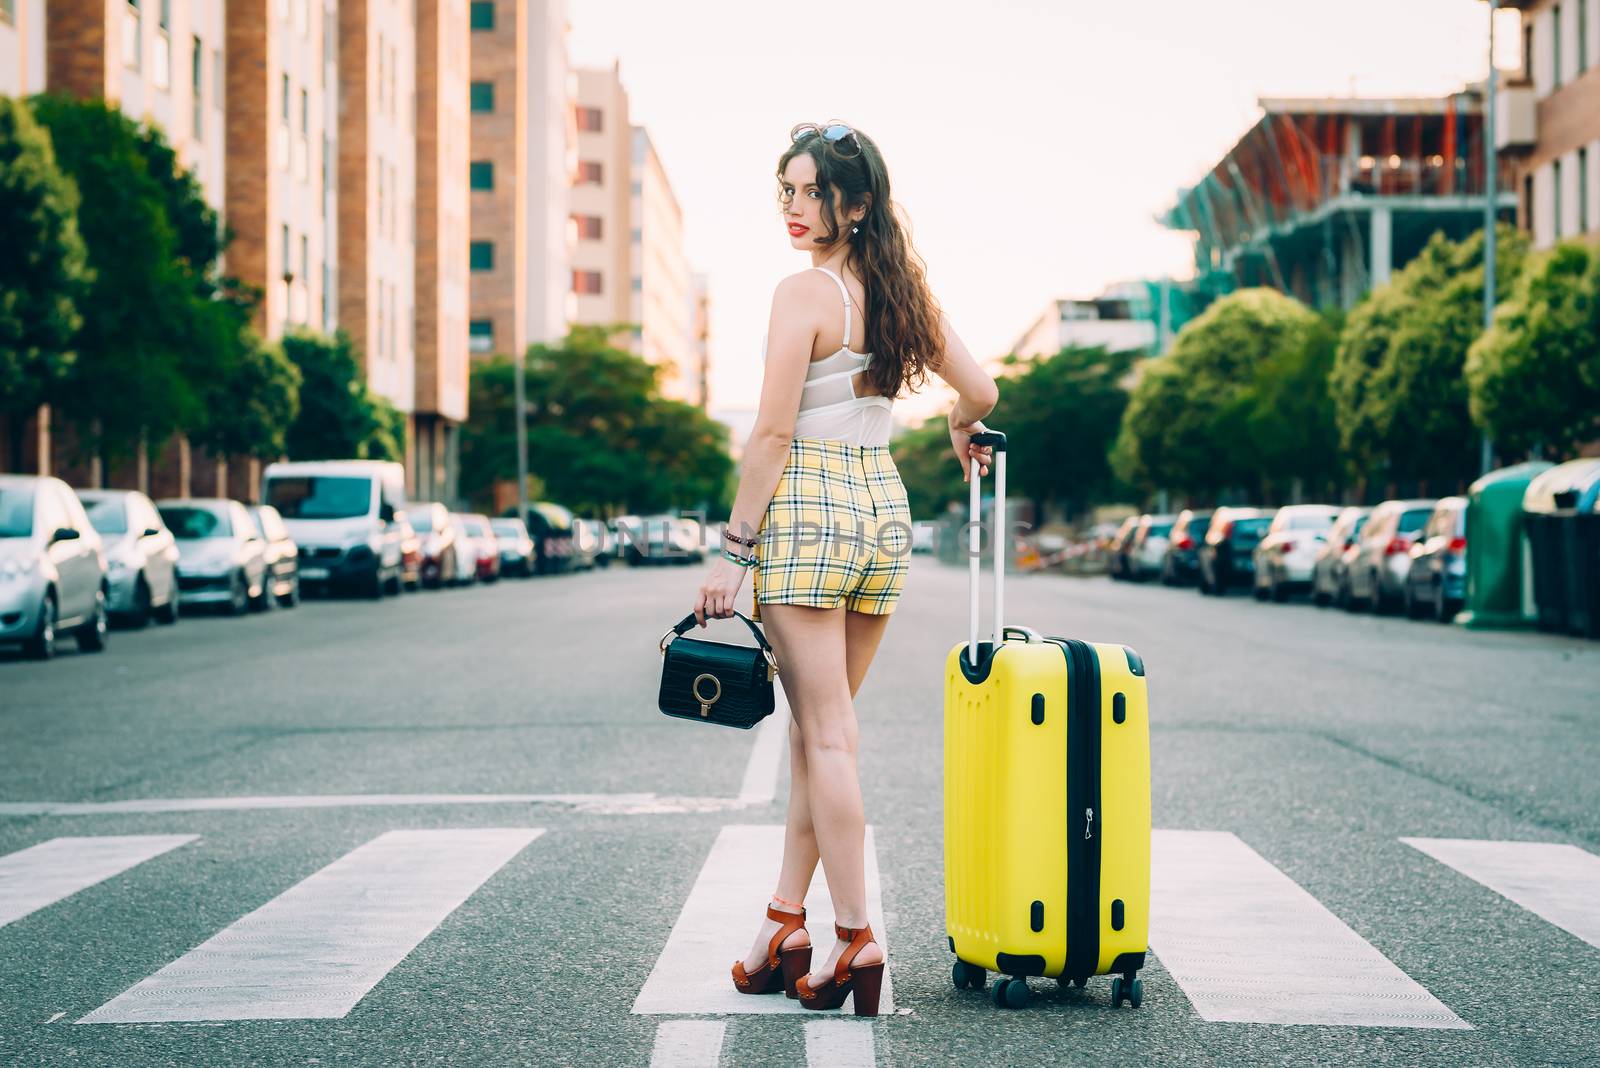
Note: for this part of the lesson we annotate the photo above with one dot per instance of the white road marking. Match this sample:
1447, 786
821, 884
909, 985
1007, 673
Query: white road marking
1248, 944
44, 874
688, 1044
315, 950
840, 1044
760, 784
721, 916
56, 1017
592, 804
1558, 883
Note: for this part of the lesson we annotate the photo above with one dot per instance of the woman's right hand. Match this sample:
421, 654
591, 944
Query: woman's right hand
966, 451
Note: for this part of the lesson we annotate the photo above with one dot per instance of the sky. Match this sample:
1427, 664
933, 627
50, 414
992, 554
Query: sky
1033, 143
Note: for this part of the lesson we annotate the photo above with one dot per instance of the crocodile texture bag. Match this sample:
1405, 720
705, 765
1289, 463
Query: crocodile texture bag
715, 682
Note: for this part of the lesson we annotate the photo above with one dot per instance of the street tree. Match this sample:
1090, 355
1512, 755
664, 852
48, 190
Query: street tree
44, 275
1534, 378
339, 417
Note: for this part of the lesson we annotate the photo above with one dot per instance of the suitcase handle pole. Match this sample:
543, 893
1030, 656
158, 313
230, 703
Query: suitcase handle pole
998, 441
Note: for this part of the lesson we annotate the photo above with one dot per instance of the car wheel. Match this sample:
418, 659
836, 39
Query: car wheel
1408, 602
395, 586
1347, 597
238, 595
1444, 609
1318, 598
1280, 592
139, 617
92, 635
292, 598
266, 601
42, 646
1380, 604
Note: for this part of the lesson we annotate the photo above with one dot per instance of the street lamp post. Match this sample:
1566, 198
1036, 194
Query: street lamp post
1490, 215
519, 376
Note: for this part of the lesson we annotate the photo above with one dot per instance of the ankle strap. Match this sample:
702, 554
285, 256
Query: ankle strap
858, 937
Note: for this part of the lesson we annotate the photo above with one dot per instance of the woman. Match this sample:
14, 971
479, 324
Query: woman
820, 497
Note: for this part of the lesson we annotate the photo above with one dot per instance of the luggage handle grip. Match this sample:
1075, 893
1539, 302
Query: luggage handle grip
997, 440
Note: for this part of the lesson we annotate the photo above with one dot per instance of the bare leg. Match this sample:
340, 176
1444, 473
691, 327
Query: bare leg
863, 632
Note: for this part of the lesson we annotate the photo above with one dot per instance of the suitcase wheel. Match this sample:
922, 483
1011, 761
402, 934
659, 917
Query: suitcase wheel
968, 976
1009, 993
1129, 987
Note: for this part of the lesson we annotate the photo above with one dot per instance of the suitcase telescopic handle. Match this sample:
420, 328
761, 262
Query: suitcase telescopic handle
998, 441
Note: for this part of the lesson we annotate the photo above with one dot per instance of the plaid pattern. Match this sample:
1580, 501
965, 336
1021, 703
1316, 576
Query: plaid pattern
837, 531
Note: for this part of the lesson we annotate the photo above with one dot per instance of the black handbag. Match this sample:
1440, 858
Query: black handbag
715, 682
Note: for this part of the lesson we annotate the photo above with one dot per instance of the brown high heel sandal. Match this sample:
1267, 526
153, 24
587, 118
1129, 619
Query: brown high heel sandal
783, 968
866, 981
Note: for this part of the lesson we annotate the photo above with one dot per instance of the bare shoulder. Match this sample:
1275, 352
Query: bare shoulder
807, 285
800, 300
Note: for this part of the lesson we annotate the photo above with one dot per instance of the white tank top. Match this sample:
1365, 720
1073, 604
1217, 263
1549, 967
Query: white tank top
829, 407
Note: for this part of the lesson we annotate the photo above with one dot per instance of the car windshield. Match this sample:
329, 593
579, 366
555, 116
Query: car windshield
1311, 521
421, 519
476, 527
16, 511
108, 515
1159, 530
1414, 520
508, 527
1254, 525
188, 524
320, 496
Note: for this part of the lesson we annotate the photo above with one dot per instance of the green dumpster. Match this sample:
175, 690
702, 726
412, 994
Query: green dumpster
1496, 551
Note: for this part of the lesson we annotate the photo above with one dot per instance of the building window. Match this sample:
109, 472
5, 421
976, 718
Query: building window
130, 35
219, 80
481, 174
483, 96
636, 236
480, 335
1555, 199
638, 285
1527, 51
483, 14
586, 282
1527, 203
589, 227
481, 256
1583, 190
591, 120
197, 97
288, 264
1555, 45
1583, 35
590, 173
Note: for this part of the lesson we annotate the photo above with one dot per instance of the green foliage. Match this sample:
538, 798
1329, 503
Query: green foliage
929, 469
1399, 387
1197, 421
44, 274
1534, 378
254, 403
129, 381
600, 437
1291, 415
339, 418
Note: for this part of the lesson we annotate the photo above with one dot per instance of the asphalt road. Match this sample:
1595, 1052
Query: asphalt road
1317, 740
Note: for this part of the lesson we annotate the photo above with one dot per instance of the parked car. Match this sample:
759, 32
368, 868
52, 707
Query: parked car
515, 544
923, 537
1376, 574
693, 539
551, 527
1328, 572
1286, 555
1436, 582
410, 577
342, 514
1148, 546
431, 521
586, 546
1225, 553
221, 557
282, 556
52, 568
141, 556
1180, 564
605, 541
466, 550
486, 561
630, 539
1117, 552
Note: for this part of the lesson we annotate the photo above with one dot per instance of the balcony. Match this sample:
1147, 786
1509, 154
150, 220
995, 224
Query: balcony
1516, 124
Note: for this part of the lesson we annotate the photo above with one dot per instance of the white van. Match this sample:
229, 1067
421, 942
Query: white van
341, 514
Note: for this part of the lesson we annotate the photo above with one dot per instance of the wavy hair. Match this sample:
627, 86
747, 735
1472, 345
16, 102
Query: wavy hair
902, 318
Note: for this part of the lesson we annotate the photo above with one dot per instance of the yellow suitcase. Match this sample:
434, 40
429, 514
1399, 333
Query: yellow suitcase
1046, 801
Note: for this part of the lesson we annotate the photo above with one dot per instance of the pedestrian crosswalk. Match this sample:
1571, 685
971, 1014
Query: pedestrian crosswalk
1240, 938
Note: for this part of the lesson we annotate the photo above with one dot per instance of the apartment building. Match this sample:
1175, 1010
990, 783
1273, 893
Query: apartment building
443, 151
661, 282
377, 194
700, 341
1547, 120
22, 47
602, 203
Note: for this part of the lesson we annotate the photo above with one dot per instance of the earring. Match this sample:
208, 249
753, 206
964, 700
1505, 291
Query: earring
853, 229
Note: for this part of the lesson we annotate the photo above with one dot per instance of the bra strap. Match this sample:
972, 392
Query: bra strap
844, 291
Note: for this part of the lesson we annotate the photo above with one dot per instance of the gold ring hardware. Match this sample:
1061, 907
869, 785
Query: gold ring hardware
666, 640
706, 702
772, 665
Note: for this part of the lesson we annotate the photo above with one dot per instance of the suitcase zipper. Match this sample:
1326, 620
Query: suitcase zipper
1083, 797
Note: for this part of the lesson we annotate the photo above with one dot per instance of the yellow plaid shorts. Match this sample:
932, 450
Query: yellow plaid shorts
837, 531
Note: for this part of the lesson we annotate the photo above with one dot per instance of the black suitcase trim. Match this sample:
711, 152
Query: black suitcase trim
1084, 820
1019, 964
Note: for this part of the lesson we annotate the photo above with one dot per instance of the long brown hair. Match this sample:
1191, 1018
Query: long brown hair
902, 318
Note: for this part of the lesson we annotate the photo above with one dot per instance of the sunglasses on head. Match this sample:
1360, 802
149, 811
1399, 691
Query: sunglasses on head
838, 136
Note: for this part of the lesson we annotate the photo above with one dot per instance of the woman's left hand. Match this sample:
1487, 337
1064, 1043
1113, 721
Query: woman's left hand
719, 589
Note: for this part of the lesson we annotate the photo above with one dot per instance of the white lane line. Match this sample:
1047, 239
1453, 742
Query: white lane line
840, 1044
1558, 883
601, 804
760, 784
315, 950
1249, 944
721, 916
688, 1044
44, 874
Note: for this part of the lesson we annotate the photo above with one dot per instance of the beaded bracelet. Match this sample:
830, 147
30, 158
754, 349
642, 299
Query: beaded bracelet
742, 561
731, 536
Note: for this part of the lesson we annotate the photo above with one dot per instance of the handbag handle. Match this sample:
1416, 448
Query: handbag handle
691, 620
